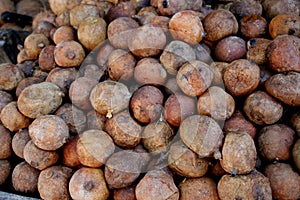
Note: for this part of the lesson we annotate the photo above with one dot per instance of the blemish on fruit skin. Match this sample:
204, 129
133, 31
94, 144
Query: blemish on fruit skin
165, 3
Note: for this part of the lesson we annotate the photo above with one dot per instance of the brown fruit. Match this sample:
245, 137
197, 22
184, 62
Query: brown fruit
103, 54
123, 168
63, 19
124, 130
49, 132
219, 24
121, 9
238, 153
43, 16
63, 33
91, 32
257, 49
199, 188
180, 27
261, 108
283, 54
109, 97
38, 158
73, 117
273, 8
25, 178
203, 53
69, 153
150, 71
284, 24
253, 26
58, 6
27, 82
5, 168
178, 107
276, 141
62, 77
94, 147
162, 22
81, 11
95, 120
147, 41
218, 69
241, 77
69, 54
194, 78
12, 118
92, 71
238, 123
156, 184
10, 76
5, 98
145, 15
185, 162
285, 87
43, 27
119, 30
175, 54
146, 104
216, 103
201, 134
157, 137
251, 186
285, 182
242, 8
19, 141
171, 86
5, 140
34, 43
230, 48
88, 183
23, 57
53, 183
39, 99
120, 65
80, 90
296, 154
126, 193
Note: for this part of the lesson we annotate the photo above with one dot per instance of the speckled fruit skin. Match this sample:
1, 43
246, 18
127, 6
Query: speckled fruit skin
276, 141
241, 77
180, 27
94, 147
49, 132
34, 103
251, 186
109, 97
285, 87
285, 182
238, 153
283, 54
199, 188
205, 138
261, 108
88, 183
157, 184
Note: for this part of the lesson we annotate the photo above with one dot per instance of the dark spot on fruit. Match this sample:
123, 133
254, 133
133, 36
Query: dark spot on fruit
292, 31
165, 3
253, 42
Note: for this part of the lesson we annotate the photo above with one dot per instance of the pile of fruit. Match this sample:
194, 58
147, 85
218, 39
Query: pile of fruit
152, 99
